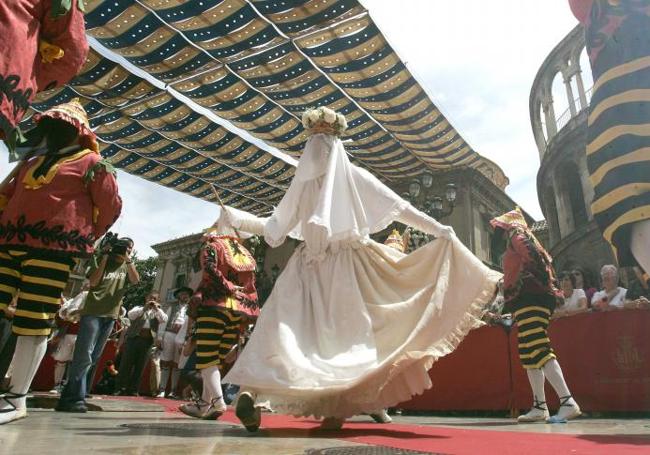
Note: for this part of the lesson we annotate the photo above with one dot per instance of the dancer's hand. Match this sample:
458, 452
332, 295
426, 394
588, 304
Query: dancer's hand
446, 232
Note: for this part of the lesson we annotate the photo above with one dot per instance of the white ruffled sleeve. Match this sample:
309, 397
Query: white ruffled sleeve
423, 222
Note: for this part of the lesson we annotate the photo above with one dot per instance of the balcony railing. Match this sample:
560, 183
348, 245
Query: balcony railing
564, 118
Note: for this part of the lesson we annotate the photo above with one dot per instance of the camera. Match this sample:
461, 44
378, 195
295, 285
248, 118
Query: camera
114, 244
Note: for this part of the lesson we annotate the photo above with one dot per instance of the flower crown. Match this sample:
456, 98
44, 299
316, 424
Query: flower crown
324, 120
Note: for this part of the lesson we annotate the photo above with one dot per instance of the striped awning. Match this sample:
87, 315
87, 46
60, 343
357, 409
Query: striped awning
257, 65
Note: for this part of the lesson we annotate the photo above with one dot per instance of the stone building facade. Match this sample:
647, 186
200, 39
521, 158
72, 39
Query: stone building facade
563, 187
478, 200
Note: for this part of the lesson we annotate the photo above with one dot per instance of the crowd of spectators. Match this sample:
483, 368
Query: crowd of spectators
581, 297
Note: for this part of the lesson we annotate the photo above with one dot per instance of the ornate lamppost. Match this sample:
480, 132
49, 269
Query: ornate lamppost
433, 205
430, 204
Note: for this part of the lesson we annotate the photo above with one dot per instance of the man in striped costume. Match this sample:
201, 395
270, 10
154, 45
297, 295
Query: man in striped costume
51, 212
530, 295
618, 142
225, 299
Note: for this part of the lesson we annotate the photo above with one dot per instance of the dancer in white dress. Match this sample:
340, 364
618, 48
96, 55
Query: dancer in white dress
352, 325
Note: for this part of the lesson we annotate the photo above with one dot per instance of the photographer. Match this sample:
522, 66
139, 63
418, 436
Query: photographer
139, 339
109, 278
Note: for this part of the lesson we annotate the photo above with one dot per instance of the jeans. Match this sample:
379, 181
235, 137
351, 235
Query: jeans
93, 334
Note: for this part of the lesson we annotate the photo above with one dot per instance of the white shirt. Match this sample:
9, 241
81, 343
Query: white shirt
617, 301
571, 303
177, 323
136, 312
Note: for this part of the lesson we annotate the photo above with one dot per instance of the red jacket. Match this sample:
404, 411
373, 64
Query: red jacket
526, 269
77, 206
224, 269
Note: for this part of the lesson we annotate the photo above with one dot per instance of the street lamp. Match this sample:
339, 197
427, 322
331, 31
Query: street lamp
414, 189
427, 179
432, 205
437, 204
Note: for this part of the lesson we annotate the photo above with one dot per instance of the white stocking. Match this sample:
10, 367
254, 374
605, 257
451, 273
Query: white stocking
536, 379
640, 244
212, 382
554, 375
29, 352
59, 371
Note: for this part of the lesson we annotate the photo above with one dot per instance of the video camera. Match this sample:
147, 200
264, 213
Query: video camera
114, 244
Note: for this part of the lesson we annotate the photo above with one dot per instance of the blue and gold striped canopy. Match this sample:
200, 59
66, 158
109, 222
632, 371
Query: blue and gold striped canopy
258, 65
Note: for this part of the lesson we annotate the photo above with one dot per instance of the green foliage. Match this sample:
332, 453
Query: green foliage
136, 294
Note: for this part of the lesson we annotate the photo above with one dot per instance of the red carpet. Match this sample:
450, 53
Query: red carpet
435, 439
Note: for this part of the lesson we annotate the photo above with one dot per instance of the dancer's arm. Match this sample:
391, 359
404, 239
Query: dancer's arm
244, 221
422, 222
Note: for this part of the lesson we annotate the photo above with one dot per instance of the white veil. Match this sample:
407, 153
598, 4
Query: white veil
350, 202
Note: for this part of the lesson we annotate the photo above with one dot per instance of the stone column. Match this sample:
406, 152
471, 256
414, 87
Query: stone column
563, 206
569, 94
587, 188
581, 90
538, 132
160, 273
549, 116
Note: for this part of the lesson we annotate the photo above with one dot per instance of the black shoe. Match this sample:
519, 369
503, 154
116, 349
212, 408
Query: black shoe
75, 407
249, 415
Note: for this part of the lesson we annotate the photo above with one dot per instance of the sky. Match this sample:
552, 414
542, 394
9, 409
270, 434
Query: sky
476, 59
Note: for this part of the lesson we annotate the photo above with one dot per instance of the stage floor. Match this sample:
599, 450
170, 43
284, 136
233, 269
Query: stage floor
145, 426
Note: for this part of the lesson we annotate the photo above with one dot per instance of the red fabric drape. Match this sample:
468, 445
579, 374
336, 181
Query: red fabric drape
23, 25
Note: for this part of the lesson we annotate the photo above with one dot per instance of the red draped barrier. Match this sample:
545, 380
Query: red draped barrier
44, 379
475, 376
605, 358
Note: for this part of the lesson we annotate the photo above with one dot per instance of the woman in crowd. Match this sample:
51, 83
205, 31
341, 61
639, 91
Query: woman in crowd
575, 300
612, 296
582, 282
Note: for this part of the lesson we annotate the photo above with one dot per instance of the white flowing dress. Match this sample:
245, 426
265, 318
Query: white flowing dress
352, 325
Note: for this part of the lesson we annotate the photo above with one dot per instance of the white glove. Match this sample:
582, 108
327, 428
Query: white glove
253, 224
445, 232
240, 221
422, 222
